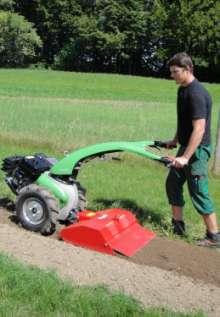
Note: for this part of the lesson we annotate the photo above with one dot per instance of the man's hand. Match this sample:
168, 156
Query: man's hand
171, 144
179, 161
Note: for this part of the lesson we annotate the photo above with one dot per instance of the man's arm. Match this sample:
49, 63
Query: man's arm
194, 141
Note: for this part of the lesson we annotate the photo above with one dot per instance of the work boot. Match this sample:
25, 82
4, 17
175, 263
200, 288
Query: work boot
211, 240
178, 227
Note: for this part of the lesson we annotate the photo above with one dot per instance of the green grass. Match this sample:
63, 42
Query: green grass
61, 124
66, 110
81, 86
36, 83
27, 291
47, 111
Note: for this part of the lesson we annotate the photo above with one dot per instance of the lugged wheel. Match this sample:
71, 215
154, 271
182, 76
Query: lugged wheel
37, 209
81, 197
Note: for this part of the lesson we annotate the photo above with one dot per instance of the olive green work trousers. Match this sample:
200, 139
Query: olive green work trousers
196, 176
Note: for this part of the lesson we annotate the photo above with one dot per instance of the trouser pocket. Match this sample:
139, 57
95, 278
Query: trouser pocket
198, 188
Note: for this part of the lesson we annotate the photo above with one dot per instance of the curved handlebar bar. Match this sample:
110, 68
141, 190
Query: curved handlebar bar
162, 144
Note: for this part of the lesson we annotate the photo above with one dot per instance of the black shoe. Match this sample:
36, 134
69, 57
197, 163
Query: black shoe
178, 227
211, 240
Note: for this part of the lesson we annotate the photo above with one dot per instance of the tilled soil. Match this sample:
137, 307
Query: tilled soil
165, 273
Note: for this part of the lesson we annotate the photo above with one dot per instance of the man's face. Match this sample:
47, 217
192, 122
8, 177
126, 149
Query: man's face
179, 74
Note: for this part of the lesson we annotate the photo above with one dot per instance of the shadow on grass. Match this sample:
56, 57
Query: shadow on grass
141, 214
7, 203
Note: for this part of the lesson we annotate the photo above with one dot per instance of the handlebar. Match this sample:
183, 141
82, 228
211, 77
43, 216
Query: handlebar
166, 161
161, 144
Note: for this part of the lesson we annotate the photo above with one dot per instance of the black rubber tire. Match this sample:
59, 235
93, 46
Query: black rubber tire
37, 209
82, 197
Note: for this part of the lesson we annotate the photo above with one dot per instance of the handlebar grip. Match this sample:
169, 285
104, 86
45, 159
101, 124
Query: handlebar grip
166, 161
163, 145
160, 144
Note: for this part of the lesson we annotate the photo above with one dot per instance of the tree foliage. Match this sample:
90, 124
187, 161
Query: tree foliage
126, 36
193, 27
18, 40
6, 5
108, 36
54, 20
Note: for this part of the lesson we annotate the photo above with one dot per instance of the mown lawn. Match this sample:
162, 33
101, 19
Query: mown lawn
47, 111
50, 112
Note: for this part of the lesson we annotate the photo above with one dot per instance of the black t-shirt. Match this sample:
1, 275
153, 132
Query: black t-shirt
193, 102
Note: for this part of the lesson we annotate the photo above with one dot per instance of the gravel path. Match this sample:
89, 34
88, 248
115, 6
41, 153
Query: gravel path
151, 285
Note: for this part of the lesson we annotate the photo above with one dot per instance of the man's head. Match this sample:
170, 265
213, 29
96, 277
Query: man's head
181, 69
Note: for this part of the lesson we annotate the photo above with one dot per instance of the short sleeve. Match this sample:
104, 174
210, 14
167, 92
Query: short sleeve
198, 106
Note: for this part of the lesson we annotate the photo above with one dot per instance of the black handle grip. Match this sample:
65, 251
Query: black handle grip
166, 161
160, 144
163, 145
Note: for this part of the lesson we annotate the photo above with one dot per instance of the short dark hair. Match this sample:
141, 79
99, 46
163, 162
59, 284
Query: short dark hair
181, 60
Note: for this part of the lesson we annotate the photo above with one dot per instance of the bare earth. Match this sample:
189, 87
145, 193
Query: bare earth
166, 273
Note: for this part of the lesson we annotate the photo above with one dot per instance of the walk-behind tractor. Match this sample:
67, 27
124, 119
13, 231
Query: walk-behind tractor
48, 192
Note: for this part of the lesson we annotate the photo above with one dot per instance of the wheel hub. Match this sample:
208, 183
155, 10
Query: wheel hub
33, 211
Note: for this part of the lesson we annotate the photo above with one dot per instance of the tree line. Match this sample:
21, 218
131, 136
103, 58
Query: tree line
117, 36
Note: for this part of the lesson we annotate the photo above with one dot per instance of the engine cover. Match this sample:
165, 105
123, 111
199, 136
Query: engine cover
37, 164
23, 170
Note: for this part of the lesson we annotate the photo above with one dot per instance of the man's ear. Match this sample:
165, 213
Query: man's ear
190, 69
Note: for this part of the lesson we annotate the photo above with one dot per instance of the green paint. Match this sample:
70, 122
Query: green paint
67, 164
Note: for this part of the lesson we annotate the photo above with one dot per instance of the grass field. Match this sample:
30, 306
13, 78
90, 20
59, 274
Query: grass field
46, 111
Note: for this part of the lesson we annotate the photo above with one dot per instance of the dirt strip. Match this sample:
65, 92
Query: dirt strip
181, 257
152, 286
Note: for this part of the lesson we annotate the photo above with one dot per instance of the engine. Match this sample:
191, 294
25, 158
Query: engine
21, 171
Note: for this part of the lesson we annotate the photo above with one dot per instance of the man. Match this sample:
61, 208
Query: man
190, 165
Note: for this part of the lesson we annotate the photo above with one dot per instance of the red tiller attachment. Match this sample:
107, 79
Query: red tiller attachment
108, 231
